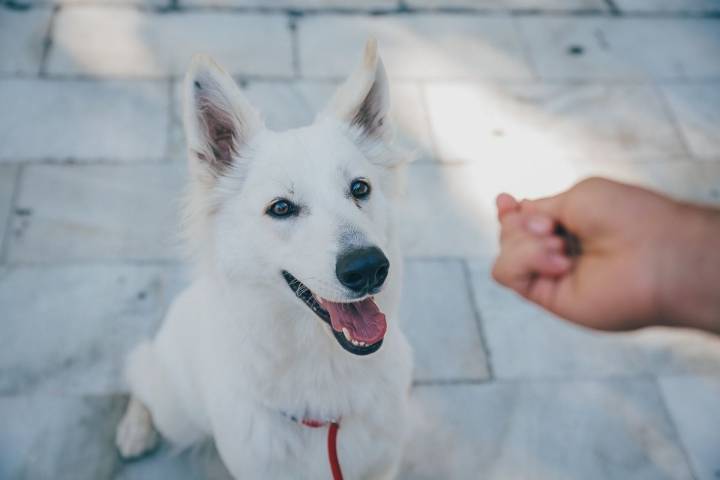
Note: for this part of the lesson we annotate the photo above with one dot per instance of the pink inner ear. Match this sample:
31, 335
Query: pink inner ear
218, 126
223, 144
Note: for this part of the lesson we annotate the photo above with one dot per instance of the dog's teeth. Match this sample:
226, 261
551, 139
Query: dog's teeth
347, 334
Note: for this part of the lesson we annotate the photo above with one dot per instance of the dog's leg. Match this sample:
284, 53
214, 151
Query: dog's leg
157, 402
135, 434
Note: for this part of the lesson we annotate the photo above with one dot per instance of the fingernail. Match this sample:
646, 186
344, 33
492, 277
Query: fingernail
539, 225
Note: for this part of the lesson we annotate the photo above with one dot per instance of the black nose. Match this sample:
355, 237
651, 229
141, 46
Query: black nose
362, 270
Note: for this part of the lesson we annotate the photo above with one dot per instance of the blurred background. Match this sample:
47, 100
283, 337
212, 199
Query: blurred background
525, 96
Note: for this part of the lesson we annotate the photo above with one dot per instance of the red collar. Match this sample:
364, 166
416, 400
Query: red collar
334, 426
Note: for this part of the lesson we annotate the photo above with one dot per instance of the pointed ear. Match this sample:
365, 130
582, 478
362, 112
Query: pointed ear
363, 100
219, 121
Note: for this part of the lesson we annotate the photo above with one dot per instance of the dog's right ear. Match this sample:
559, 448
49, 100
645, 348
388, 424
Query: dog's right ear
219, 121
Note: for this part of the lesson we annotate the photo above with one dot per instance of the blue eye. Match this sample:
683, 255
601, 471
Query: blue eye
281, 208
360, 188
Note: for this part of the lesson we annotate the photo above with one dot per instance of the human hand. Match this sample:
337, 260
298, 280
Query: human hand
637, 258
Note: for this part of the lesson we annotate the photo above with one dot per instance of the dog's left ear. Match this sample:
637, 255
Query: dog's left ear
363, 100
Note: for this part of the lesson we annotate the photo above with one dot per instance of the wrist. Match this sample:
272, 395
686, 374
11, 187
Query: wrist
689, 293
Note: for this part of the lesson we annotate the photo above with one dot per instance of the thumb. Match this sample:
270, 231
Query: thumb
551, 206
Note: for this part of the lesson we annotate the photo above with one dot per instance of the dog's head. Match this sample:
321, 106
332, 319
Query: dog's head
304, 210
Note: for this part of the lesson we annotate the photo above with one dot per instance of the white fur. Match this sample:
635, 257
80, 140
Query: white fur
238, 352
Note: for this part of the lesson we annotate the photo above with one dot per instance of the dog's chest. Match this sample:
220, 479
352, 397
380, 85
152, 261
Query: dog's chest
267, 441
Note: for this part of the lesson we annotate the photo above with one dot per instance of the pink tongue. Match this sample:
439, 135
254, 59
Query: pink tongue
363, 320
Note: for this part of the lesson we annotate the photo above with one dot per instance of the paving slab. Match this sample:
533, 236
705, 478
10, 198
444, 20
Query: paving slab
521, 5
354, 5
199, 462
291, 105
98, 212
67, 329
446, 212
697, 110
546, 430
615, 48
8, 178
83, 120
668, 6
525, 342
118, 41
491, 122
709, 183
695, 410
439, 319
59, 437
71, 437
151, 4
22, 39
423, 46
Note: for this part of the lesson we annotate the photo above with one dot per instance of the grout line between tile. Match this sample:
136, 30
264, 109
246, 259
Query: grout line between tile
399, 9
48, 42
439, 382
293, 21
600, 379
612, 6
171, 114
5, 246
520, 81
673, 425
525, 45
665, 104
478, 317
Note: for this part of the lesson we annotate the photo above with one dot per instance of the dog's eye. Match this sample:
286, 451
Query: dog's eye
281, 208
360, 188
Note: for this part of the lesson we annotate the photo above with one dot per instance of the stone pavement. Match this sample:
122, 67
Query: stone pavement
520, 95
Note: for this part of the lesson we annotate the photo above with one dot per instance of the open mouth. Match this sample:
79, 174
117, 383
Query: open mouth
359, 327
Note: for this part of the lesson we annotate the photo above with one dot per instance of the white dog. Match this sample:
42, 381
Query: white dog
290, 322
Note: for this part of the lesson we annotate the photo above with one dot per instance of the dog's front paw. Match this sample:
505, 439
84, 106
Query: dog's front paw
135, 434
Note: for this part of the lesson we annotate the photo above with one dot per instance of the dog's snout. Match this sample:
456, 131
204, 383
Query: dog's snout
362, 270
